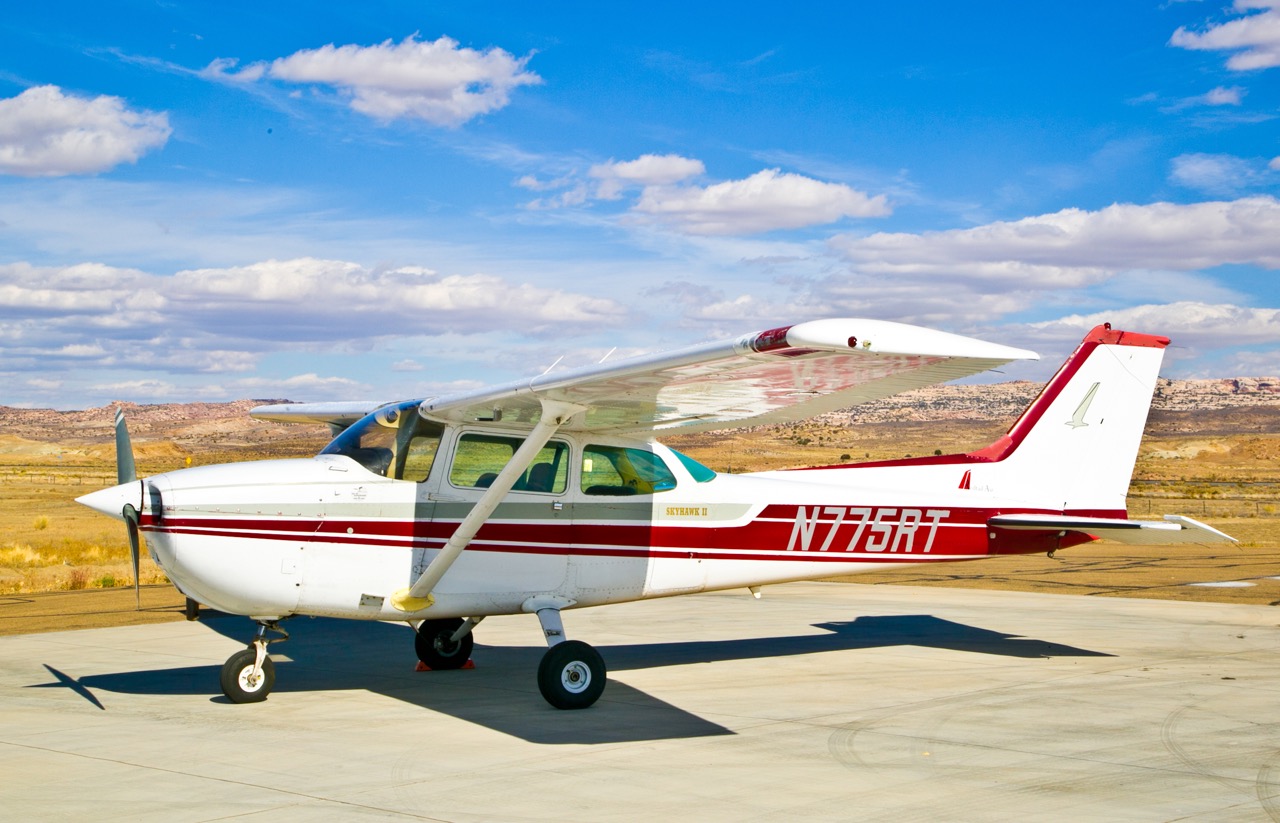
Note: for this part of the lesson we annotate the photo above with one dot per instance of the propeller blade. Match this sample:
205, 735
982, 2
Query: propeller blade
131, 521
126, 471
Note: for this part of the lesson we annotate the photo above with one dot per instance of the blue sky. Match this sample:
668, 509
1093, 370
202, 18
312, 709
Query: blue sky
288, 200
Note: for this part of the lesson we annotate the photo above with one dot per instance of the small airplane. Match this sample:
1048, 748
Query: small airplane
549, 494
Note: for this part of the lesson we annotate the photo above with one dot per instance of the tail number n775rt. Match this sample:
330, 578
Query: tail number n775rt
874, 529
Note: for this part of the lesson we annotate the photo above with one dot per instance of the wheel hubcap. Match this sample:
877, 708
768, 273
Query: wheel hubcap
247, 681
575, 677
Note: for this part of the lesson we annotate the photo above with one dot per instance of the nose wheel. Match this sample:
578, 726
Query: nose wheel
245, 680
249, 675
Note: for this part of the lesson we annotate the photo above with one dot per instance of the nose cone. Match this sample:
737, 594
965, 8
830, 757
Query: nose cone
111, 502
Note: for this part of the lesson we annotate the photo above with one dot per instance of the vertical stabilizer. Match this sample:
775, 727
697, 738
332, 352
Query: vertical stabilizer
1074, 447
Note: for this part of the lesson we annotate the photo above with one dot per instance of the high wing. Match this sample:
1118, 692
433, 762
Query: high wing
773, 376
338, 416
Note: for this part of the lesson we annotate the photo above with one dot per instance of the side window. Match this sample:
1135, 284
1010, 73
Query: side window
479, 458
617, 471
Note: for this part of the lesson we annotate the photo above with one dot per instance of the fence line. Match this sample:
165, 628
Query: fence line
1205, 506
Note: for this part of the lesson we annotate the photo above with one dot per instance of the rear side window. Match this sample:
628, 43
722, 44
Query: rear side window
479, 458
618, 471
699, 472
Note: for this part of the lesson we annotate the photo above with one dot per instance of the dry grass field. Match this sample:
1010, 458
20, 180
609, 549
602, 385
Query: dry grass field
1220, 466
48, 542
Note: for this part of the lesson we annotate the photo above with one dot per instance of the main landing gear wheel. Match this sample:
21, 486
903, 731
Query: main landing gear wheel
435, 647
239, 683
571, 675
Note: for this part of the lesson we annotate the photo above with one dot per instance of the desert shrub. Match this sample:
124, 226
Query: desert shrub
20, 556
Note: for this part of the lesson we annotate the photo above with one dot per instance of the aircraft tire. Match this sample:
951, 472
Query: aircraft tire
235, 674
571, 675
434, 649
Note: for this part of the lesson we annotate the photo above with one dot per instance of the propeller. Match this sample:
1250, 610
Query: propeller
127, 472
131, 521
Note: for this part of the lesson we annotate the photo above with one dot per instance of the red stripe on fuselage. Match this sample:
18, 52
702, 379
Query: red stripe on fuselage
823, 533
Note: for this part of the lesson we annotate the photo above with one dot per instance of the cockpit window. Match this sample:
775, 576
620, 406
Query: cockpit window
618, 471
394, 441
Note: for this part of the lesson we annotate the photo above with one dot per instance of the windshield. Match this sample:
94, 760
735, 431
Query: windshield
394, 441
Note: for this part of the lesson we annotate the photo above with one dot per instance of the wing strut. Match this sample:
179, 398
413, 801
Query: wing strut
418, 596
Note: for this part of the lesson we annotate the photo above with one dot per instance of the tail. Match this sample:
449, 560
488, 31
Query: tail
1074, 447
1068, 459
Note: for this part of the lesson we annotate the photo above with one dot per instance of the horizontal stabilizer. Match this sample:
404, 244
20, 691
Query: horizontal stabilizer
1172, 529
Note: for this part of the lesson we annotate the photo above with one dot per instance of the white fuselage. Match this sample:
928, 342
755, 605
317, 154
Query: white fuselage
325, 536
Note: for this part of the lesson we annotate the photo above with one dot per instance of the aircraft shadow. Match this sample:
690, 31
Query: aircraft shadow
861, 633
501, 693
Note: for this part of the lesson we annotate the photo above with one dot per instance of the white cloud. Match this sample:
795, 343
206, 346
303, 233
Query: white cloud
438, 81
46, 133
311, 384
146, 389
193, 320
1249, 363
1255, 37
766, 201
1074, 247
322, 300
1222, 96
1188, 323
1274, 165
109, 332
224, 69
1215, 97
87, 288
646, 170
1218, 174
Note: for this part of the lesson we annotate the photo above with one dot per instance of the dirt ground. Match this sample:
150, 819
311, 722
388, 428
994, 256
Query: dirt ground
88, 609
